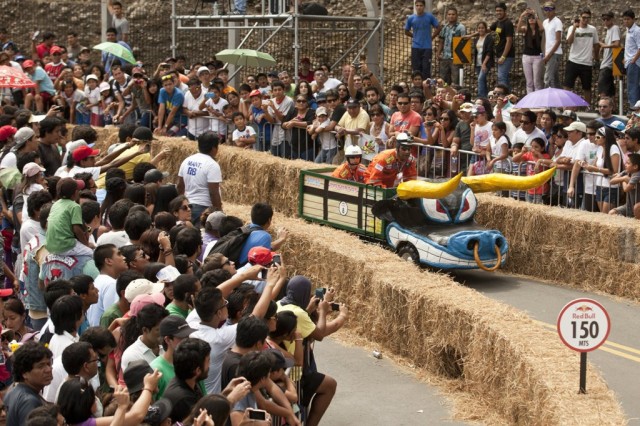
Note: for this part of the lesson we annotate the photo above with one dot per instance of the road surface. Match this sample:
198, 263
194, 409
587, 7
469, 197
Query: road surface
618, 359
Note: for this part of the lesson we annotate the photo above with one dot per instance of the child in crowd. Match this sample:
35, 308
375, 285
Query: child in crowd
318, 131
518, 170
629, 179
257, 115
94, 100
243, 136
528, 158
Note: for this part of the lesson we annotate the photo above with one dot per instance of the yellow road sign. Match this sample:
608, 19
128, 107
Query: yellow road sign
461, 51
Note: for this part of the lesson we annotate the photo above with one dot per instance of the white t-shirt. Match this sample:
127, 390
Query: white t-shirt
93, 97
587, 152
613, 34
195, 126
246, 133
581, 51
215, 124
551, 29
95, 172
220, 340
522, 137
604, 181
59, 343
277, 132
198, 171
138, 350
496, 150
331, 83
9, 160
482, 135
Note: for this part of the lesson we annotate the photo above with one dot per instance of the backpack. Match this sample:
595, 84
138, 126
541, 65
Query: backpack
231, 244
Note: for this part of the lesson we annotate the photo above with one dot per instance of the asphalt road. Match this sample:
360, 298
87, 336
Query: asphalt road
377, 392
618, 359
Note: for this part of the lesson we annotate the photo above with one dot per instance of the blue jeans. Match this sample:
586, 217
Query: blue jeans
146, 119
483, 91
326, 155
633, 83
196, 211
503, 72
421, 61
307, 155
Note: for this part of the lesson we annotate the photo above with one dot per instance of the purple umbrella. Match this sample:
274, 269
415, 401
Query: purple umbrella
551, 98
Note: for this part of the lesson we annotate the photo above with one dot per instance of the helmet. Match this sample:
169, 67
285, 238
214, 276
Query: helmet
404, 138
353, 151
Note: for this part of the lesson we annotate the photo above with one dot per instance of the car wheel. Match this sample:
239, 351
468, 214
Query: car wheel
408, 252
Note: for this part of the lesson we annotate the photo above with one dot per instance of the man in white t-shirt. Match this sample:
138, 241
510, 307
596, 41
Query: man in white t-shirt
197, 124
216, 105
606, 86
576, 132
199, 177
552, 46
322, 82
528, 130
583, 39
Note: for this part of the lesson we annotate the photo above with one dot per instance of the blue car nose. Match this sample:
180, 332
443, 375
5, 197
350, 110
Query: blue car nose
465, 241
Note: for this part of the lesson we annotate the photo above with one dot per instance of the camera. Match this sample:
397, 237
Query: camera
257, 414
431, 122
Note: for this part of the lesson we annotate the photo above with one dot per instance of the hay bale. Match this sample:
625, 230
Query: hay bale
488, 350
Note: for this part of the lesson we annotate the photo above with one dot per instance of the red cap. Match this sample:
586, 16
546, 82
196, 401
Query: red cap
6, 132
84, 152
80, 184
28, 64
255, 93
55, 49
260, 256
6, 292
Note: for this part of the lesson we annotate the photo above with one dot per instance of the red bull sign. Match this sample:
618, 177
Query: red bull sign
583, 325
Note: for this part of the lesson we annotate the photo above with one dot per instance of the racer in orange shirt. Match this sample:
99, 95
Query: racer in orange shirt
390, 167
351, 169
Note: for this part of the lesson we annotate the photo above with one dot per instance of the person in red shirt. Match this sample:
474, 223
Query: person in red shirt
55, 67
403, 120
351, 169
305, 72
390, 167
44, 48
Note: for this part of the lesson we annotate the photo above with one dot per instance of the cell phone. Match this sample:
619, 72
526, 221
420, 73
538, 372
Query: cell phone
431, 122
277, 259
257, 414
35, 35
320, 292
263, 274
335, 306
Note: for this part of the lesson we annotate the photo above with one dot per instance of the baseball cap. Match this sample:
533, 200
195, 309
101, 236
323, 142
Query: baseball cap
79, 184
279, 360
203, 69
19, 58
10, 45
272, 74
134, 375
6, 292
143, 300
570, 114
576, 125
84, 152
321, 111
91, 77
140, 287
479, 109
175, 326
137, 70
158, 412
32, 169
28, 64
22, 136
352, 103
549, 4
608, 14
154, 175
55, 50
255, 93
168, 274
466, 107
104, 86
260, 256
617, 125
37, 118
215, 219
143, 134
321, 97
6, 132
72, 146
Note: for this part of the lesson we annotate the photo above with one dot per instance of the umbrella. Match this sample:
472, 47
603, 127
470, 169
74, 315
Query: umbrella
12, 78
551, 98
117, 50
10, 177
246, 58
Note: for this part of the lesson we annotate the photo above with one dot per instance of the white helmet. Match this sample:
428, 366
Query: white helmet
404, 137
353, 151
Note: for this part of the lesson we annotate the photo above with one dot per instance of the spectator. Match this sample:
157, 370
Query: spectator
171, 120
583, 39
261, 221
483, 56
31, 372
448, 71
297, 120
532, 61
25, 140
480, 140
532, 157
418, 27
111, 264
73, 46
34, 294
66, 315
14, 319
31, 225
608, 163
353, 123
605, 108
606, 85
185, 290
216, 107
243, 136
405, 120
140, 338
255, 367
528, 130
84, 287
77, 360
197, 124
629, 180
119, 21
503, 38
199, 177
631, 56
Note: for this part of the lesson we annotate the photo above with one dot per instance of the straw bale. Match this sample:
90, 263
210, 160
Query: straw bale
589, 251
485, 349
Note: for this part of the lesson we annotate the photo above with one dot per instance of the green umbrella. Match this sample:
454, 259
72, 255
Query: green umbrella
117, 50
10, 177
246, 58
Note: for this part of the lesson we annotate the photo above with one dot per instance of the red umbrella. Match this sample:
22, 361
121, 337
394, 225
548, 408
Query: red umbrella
14, 79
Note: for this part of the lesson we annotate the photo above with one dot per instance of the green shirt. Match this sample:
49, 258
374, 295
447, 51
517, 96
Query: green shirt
177, 310
64, 214
110, 315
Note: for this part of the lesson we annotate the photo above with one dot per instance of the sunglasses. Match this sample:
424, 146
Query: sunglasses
300, 101
167, 77
403, 103
186, 208
549, 9
321, 102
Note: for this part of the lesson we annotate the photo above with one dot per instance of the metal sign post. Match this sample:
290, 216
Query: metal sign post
583, 326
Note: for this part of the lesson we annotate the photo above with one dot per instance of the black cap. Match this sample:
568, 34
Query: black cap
608, 14
134, 375
154, 176
352, 103
272, 74
175, 326
158, 412
143, 134
321, 97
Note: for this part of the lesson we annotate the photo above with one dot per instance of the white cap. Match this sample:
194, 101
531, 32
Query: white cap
203, 69
142, 286
104, 86
91, 77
